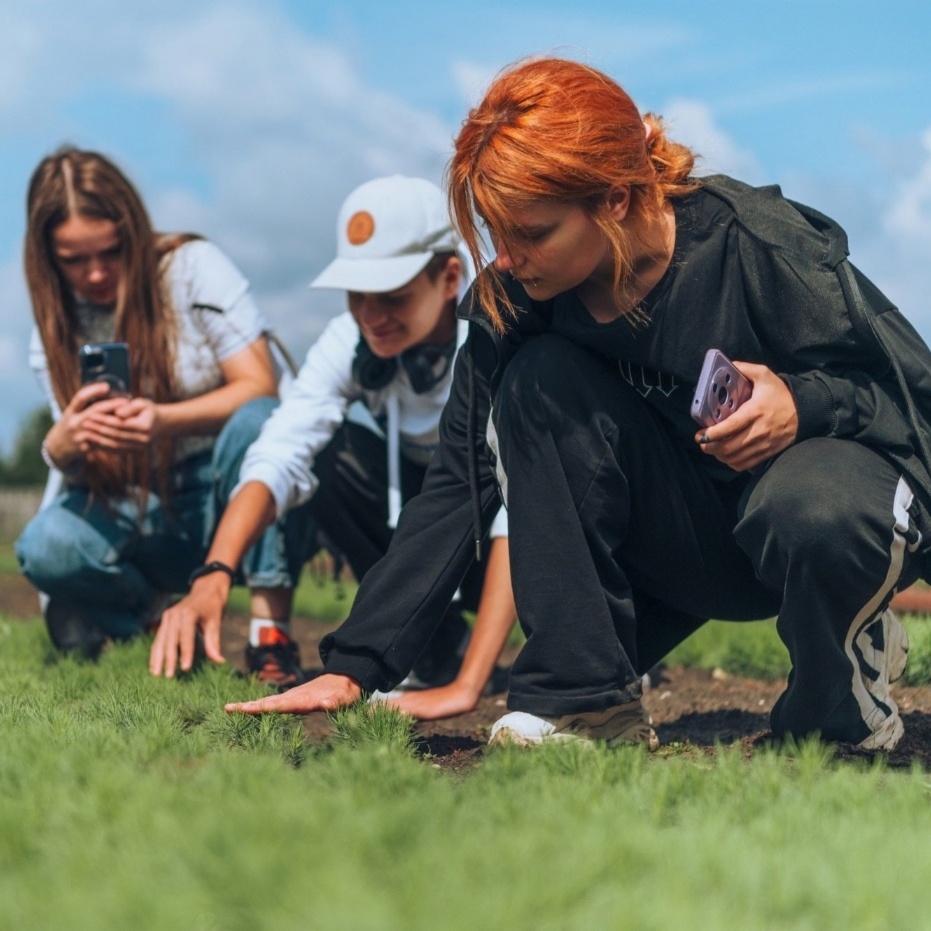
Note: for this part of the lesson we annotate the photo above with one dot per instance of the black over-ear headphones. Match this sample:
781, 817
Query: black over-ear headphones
426, 364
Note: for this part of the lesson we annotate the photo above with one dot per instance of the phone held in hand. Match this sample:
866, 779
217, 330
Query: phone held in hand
721, 389
106, 362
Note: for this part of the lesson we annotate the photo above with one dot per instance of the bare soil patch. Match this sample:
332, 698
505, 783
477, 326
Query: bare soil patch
694, 710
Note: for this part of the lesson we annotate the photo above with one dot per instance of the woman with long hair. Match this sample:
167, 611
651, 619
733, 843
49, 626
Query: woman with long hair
615, 270
134, 492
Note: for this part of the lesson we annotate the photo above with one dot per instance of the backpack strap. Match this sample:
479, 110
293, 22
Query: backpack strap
863, 318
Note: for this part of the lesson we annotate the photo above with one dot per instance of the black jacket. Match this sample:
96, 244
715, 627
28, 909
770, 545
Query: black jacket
855, 366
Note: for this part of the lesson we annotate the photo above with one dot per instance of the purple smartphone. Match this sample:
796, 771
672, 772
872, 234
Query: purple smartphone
721, 389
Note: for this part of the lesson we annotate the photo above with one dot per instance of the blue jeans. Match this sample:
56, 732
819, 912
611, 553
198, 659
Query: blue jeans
111, 562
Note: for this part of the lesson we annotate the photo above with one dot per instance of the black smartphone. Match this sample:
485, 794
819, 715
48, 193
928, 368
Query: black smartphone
107, 362
721, 389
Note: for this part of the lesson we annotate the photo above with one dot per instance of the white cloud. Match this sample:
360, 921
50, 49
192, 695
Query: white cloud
783, 93
692, 123
284, 129
903, 243
888, 222
278, 123
471, 80
908, 218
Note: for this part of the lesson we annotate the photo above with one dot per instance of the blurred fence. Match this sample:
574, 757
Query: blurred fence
17, 505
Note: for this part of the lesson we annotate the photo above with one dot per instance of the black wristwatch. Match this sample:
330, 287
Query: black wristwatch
215, 566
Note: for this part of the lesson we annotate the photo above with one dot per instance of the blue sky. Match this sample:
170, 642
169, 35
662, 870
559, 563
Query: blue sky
250, 121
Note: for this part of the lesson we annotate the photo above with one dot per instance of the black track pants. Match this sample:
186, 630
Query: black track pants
622, 544
351, 507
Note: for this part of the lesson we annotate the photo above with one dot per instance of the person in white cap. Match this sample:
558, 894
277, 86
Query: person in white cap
399, 259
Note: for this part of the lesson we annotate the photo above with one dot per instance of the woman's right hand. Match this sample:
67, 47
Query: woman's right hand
77, 432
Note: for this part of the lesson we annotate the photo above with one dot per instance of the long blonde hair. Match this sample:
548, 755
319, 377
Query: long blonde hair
73, 182
554, 129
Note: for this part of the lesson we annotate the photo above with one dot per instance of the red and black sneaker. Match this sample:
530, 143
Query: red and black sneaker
276, 660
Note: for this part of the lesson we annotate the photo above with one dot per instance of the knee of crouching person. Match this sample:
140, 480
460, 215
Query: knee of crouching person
242, 428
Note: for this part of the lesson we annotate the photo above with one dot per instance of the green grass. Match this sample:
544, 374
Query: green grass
8, 561
754, 650
751, 649
127, 801
316, 596
130, 801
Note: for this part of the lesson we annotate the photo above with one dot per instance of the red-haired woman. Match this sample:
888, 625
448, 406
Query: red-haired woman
615, 269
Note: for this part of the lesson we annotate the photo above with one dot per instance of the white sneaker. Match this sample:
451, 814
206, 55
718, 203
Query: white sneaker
402, 688
622, 724
882, 662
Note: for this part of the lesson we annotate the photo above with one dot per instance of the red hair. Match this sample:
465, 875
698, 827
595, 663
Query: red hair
554, 129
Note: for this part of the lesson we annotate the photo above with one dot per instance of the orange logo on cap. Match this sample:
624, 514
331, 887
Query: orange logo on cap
360, 228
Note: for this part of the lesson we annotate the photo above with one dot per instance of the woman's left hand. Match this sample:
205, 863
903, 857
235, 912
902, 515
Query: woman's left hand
759, 429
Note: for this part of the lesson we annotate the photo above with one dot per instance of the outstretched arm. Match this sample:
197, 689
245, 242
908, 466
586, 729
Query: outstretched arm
243, 522
493, 623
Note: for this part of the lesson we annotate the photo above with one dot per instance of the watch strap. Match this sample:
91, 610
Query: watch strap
209, 569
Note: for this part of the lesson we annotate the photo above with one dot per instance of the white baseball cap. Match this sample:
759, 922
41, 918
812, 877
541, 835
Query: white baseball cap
387, 231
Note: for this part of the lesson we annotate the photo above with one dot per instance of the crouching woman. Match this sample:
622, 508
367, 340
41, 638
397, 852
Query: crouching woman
615, 270
139, 470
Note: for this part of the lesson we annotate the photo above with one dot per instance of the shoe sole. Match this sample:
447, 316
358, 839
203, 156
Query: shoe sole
887, 736
507, 737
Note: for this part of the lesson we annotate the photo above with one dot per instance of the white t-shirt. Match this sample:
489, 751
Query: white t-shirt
216, 315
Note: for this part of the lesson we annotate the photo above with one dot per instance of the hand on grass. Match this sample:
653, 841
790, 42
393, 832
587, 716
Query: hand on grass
325, 693
176, 638
433, 704
759, 429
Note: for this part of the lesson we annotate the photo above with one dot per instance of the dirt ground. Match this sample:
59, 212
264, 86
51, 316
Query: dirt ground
692, 709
